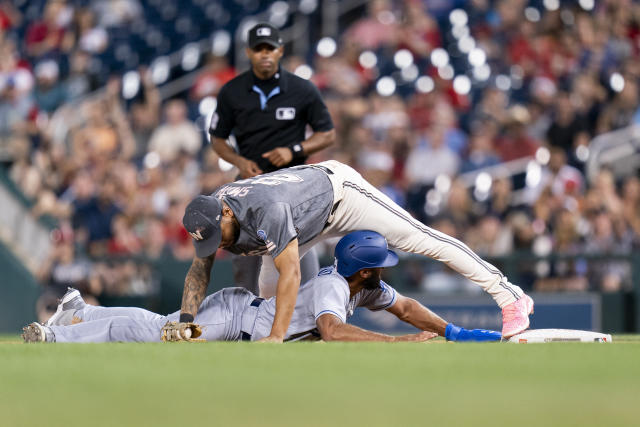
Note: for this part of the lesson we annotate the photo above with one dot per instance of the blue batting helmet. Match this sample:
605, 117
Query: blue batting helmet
363, 249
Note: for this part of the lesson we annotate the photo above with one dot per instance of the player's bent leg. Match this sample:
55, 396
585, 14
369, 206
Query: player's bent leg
268, 279
309, 265
363, 207
246, 270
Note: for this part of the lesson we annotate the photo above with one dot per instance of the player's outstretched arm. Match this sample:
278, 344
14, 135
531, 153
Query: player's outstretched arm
288, 266
416, 314
333, 329
195, 287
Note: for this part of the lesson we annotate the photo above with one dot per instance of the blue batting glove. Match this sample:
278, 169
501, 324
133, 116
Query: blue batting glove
456, 333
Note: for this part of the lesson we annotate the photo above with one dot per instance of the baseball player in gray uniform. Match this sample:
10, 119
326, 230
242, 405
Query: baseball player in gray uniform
282, 214
322, 308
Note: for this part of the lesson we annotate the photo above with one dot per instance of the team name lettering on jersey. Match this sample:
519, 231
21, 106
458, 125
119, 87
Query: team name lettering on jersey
276, 179
233, 191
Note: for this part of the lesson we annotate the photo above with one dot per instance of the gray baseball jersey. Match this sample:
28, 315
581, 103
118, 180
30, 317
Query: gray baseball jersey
277, 207
327, 293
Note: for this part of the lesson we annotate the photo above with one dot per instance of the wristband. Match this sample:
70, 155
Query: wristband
451, 332
186, 318
297, 151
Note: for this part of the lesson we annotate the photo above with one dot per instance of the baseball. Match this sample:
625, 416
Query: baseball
187, 333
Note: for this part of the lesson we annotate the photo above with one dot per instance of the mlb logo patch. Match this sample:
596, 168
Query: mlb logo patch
263, 32
286, 113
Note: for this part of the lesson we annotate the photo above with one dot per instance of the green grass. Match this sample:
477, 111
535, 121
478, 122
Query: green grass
319, 384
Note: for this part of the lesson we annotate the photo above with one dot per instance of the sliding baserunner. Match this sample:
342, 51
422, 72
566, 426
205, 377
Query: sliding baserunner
322, 308
282, 214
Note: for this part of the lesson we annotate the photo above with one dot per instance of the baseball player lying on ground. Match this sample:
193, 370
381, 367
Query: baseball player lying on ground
281, 215
322, 308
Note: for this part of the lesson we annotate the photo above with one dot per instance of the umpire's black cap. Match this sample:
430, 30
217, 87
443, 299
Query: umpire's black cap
264, 33
202, 221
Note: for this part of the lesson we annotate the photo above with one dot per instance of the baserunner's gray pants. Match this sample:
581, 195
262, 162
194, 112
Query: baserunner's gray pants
220, 316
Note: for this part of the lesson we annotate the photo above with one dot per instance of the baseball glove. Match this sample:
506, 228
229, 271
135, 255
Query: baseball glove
181, 331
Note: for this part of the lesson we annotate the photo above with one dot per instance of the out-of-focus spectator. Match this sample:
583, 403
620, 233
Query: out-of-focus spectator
420, 33
47, 35
377, 29
15, 109
91, 38
564, 275
81, 79
568, 129
65, 268
564, 181
215, 74
605, 193
124, 240
619, 113
631, 203
515, 143
481, 153
459, 206
94, 211
48, 92
177, 133
9, 16
144, 113
431, 157
608, 276
116, 13
154, 240
500, 202
488, 238
177, 237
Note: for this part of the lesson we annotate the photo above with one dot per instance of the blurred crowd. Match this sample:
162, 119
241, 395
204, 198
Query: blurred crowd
544, 79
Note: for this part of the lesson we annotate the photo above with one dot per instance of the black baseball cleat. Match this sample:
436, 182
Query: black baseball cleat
35, 332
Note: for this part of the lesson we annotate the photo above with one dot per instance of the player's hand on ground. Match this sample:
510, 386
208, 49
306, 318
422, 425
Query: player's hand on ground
279, 157
181, 331
271, 339
419, 337
248, 168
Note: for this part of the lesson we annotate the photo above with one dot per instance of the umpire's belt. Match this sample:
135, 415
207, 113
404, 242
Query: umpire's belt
249, 319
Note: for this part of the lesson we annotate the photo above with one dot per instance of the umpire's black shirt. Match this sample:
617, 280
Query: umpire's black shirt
265, 114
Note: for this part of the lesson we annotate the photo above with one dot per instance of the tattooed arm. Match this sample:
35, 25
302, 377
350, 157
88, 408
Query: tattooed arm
195, 287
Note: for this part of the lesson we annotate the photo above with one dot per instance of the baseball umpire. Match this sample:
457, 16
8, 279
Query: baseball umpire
282, 214
268, 109
322, 308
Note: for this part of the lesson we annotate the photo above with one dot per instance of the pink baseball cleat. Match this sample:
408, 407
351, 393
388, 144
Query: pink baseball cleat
515, 316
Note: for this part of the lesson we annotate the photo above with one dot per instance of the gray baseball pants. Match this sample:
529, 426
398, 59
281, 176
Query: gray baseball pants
221, 316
